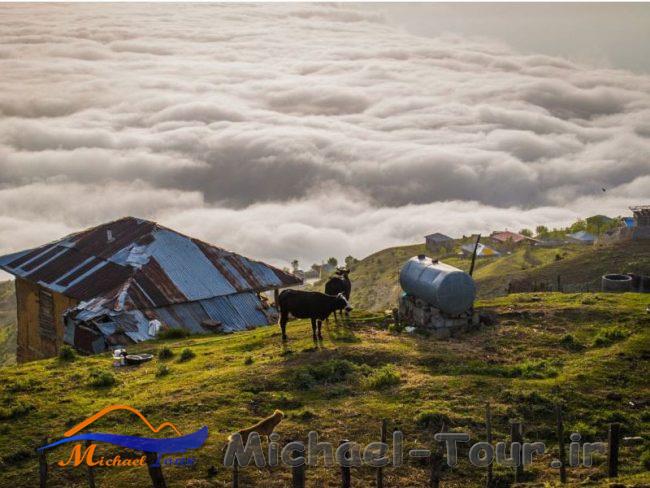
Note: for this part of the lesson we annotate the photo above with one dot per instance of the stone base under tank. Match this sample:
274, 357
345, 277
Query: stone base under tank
419, 314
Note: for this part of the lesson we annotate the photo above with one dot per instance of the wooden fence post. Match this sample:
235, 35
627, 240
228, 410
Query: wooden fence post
155, 472
516, 435
298, 474
560, 443
42, 465
612, 451
90, 471
235, 474
436, 462
345, 471
559, 284
488, 429
380, 471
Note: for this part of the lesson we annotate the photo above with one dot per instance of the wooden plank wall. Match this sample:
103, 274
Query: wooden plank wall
32, 342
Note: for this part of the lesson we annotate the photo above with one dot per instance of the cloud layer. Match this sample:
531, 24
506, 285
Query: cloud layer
285, 131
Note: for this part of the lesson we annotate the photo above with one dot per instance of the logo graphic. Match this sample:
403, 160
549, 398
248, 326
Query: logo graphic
170, 445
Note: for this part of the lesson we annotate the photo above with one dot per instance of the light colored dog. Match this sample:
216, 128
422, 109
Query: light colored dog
263, 427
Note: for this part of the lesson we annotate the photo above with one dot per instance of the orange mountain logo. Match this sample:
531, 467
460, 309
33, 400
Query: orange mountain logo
178, 444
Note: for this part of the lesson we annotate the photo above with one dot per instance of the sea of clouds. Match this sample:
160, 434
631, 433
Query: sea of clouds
300, 131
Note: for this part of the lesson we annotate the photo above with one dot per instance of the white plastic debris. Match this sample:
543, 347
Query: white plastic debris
154, 327
409, 329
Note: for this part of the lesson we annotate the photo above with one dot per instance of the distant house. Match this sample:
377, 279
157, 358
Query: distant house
507, 237
437, 242
641, 227
581, 237
117, 283
483, 251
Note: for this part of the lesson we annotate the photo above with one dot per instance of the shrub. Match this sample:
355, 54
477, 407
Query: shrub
163, 370
173, 334
609, 336
101, 379
305, 415
645, 459
586, 431
570, 342
395, 328
248, 361
22, 385
332, 371
186, 355
534, 369
303, 380
384, 377
429, 418
66, 353
20, 409
165, 353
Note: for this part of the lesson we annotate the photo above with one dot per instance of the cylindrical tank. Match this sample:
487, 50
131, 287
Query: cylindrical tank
616, 283
445, 287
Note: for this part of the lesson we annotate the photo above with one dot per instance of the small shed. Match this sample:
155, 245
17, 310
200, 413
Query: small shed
483, 251
116, 283
581, 237
641, 215
436, 242
508, 237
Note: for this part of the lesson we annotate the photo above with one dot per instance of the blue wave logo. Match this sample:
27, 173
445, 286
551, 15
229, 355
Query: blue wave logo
179, 444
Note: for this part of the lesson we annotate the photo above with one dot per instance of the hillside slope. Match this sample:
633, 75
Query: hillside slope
375, 281
588, 352
7, 323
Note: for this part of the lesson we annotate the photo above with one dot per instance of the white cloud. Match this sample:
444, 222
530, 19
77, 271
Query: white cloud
282, 131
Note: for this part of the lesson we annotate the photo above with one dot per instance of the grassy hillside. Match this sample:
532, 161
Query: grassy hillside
589, 352
582, 270
7, 323
375, 278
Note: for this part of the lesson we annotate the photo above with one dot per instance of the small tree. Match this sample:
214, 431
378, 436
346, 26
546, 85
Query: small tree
349, 261
541, 230
526, 232
332, 262
295, 265
578, 226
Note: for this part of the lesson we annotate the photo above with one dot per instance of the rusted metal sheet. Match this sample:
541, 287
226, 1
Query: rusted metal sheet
164, 267
132, 270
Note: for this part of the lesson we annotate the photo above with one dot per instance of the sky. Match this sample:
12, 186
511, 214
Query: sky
314, 130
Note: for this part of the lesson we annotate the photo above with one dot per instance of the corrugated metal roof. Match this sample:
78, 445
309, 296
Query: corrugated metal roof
159, 266
506, 235
234, 312
482, 250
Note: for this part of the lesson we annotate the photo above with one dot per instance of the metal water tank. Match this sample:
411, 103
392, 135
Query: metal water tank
445, 287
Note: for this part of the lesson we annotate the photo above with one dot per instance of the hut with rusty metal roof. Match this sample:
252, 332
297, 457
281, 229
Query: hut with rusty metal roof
120, 282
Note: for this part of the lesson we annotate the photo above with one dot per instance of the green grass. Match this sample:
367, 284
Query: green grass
375, 282
7, 323
343, 388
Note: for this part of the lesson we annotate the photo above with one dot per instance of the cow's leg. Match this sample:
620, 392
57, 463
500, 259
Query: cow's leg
320, 324
284, 316
313, 328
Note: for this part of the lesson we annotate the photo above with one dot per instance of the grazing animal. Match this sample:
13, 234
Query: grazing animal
263, 427
309, 305
340, 283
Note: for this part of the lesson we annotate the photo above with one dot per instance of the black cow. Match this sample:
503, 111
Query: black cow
309, 305
340, 283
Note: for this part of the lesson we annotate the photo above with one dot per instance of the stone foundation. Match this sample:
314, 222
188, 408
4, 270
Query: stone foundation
419, 314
